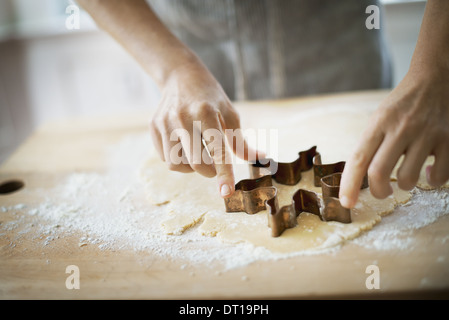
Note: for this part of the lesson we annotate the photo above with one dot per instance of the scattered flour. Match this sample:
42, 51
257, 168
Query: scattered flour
16, 207
109, 210
395, 230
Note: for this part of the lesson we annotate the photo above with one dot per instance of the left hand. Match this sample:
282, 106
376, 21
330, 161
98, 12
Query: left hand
412, 121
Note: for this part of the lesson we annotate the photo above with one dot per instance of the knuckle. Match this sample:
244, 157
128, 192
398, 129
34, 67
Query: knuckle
219, 155
167, 119
359, 160
205, 110
380, 118
155, 121
217, 149
225, 176
409, 126
180, 111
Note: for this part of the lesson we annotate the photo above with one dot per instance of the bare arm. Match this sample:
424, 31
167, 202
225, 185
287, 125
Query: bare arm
412, 121
134, 25
192, 100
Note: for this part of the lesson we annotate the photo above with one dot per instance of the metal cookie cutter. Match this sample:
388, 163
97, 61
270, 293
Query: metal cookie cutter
258, 193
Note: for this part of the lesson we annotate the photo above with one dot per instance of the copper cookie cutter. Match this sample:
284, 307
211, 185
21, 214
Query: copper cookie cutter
258, 193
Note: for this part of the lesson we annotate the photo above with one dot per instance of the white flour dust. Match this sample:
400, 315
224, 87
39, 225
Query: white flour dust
395, 231
108, 210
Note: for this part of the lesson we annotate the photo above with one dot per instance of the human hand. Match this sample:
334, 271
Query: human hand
193, 107
412, 121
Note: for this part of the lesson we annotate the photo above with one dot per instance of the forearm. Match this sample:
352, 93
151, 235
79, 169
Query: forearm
411, 121
432, 48
135, 26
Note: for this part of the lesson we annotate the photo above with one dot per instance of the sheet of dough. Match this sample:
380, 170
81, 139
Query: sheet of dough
191, 200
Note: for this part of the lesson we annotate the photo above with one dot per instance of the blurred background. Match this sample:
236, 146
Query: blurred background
49, 71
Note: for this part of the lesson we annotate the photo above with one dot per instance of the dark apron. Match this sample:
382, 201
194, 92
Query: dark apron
267, 49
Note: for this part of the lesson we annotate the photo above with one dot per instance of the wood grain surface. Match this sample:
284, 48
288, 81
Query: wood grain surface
29, 270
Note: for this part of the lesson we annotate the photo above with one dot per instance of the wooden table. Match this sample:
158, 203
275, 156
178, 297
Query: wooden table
30, 270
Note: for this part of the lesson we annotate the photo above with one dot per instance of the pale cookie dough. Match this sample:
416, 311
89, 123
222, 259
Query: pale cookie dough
186, 197
311, 234
191, 200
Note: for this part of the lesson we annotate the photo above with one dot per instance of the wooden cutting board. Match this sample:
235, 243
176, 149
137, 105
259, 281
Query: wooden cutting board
30, 270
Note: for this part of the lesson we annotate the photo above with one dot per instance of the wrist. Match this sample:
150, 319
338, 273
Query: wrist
181, 61
428, 69
430, 58
187, 71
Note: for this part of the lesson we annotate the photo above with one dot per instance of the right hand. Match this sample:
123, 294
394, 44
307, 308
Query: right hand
193, 101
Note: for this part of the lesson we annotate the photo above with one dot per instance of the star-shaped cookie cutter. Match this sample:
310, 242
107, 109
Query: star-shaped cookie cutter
258, 193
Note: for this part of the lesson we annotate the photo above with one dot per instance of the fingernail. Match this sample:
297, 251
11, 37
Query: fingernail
225, 190
344, 200
428, 170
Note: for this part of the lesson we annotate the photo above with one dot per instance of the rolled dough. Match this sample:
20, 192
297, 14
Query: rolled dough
193, 202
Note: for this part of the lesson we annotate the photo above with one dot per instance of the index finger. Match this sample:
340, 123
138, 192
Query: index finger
357, 166
214, 137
